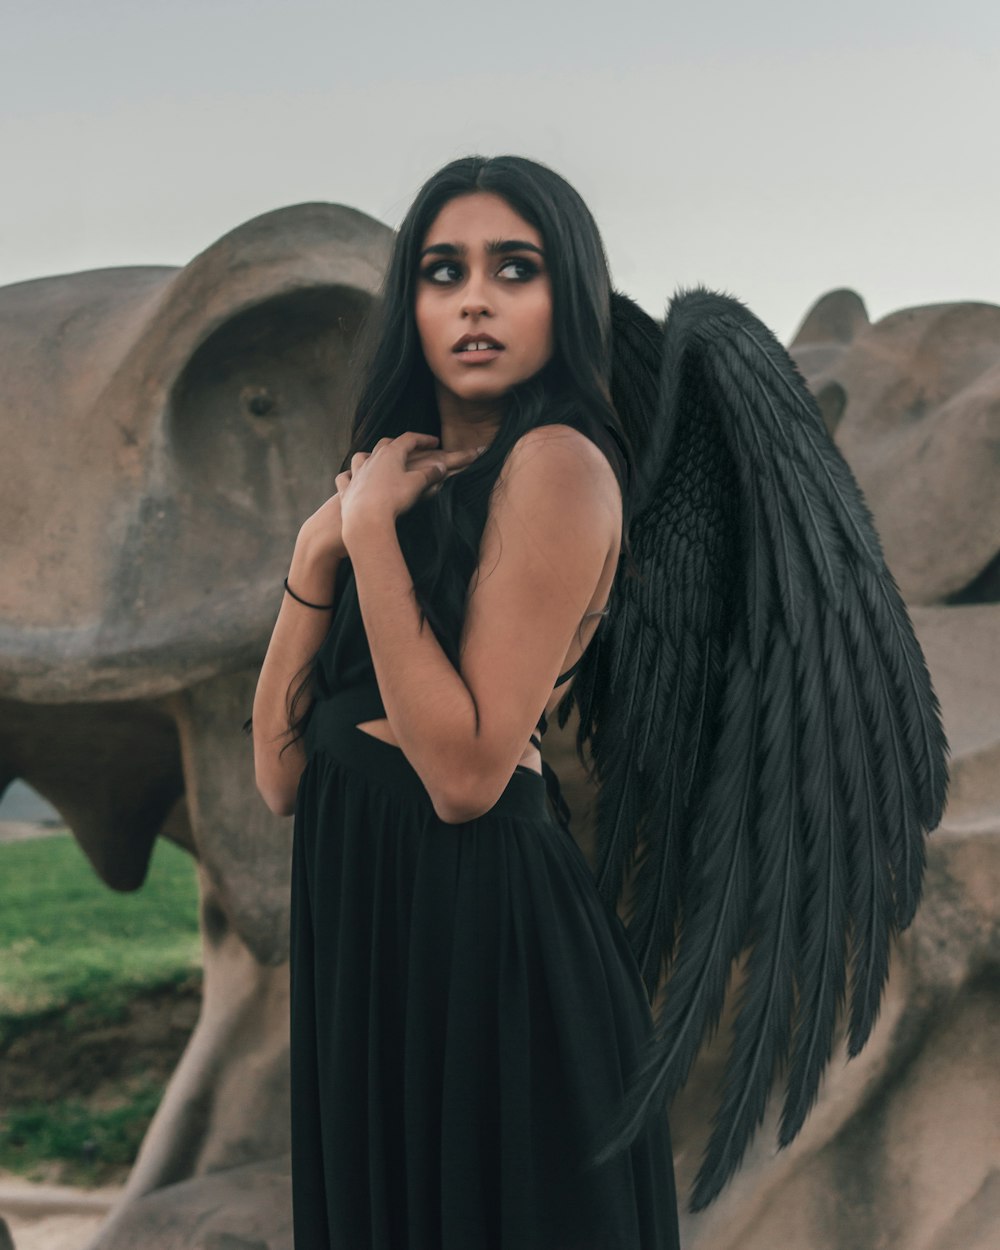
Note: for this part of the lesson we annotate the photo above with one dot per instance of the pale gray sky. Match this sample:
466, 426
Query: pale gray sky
774, 150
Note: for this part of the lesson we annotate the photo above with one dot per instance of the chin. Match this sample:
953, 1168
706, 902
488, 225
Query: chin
483, 394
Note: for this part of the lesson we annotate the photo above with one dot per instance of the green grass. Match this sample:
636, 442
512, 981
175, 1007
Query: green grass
91, 1145
65, 937
73, 955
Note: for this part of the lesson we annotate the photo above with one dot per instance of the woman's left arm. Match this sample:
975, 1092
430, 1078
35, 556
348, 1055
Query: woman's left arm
554, 517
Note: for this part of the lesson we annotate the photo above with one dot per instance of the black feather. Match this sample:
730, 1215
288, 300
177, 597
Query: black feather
761, 722
762, 1025
717, 907
898, 786
869, 885
821, 958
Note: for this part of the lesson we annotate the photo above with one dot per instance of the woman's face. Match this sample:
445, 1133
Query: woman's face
482, 275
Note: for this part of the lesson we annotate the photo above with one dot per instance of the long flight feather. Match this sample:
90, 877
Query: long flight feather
822, 957
869, 886
762, 1025
718, 913
753, 536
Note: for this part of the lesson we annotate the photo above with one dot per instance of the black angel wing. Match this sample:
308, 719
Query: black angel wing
761, 721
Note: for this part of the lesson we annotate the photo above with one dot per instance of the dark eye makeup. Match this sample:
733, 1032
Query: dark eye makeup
528, 266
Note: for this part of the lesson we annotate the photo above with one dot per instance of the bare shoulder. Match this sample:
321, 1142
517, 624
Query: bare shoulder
565, 466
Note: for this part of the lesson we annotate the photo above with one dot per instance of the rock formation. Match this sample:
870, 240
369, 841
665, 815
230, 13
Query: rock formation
167, 431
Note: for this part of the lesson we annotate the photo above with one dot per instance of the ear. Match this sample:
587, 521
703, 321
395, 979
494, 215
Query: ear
836, 318
826, 332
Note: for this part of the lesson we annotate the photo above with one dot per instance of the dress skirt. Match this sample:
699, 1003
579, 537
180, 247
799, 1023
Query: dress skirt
465, 1013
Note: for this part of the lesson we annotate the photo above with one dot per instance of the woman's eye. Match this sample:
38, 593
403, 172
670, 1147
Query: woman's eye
528, 270
526, 265
431, 270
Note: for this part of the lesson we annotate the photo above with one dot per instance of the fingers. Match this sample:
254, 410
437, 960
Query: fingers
403, 446
460, 459
411, 441
437, 466
450, 459
414, 443
418, 453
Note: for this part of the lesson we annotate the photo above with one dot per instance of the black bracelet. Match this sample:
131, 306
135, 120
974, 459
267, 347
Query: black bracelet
322, 607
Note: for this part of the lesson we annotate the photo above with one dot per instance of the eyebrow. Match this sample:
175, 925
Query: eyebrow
495, 247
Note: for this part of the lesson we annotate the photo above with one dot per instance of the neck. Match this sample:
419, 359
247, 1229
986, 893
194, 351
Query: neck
466, 424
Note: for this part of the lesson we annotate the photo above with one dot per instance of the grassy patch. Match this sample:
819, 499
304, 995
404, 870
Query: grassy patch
66, 938
98, 995
89, 1145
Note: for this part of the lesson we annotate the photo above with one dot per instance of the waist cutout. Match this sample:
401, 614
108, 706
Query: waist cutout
332, 730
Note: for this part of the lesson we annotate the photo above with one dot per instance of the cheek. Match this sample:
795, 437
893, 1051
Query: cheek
541, 327
427, 329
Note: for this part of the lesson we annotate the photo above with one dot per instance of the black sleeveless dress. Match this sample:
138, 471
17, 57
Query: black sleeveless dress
465, 1010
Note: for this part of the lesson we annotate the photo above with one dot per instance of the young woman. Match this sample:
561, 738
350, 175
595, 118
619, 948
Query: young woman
466, 1011
474, 1062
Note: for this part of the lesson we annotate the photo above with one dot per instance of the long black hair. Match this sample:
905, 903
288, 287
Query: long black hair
440, 535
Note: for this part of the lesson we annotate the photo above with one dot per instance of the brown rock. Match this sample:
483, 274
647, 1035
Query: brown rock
244, 1208
181, 424
915, 403
167, 432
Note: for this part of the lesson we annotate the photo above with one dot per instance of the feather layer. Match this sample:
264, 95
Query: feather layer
761, 722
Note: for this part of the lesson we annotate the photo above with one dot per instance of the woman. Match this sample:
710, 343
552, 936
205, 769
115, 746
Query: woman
466, 1011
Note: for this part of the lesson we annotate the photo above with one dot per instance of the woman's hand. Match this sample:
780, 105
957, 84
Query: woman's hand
324, 533
390, 480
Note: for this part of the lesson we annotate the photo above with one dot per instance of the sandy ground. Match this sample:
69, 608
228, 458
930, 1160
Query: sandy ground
53, 1232
52, 1217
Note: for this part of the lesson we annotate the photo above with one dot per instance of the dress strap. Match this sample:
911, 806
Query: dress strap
603, 614
569, 672
542, 725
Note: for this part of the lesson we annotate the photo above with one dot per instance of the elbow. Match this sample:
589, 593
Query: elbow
277, 780
278, 798
278, 801
278, 788
466, 796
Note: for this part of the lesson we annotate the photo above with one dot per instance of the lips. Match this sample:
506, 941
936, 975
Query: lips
477, 338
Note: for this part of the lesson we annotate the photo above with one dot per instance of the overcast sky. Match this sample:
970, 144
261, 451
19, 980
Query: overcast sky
774, 150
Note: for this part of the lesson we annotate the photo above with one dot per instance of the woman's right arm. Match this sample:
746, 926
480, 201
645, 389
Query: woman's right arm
298, 632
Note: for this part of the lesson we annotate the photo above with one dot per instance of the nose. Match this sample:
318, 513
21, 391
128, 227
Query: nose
475, 301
